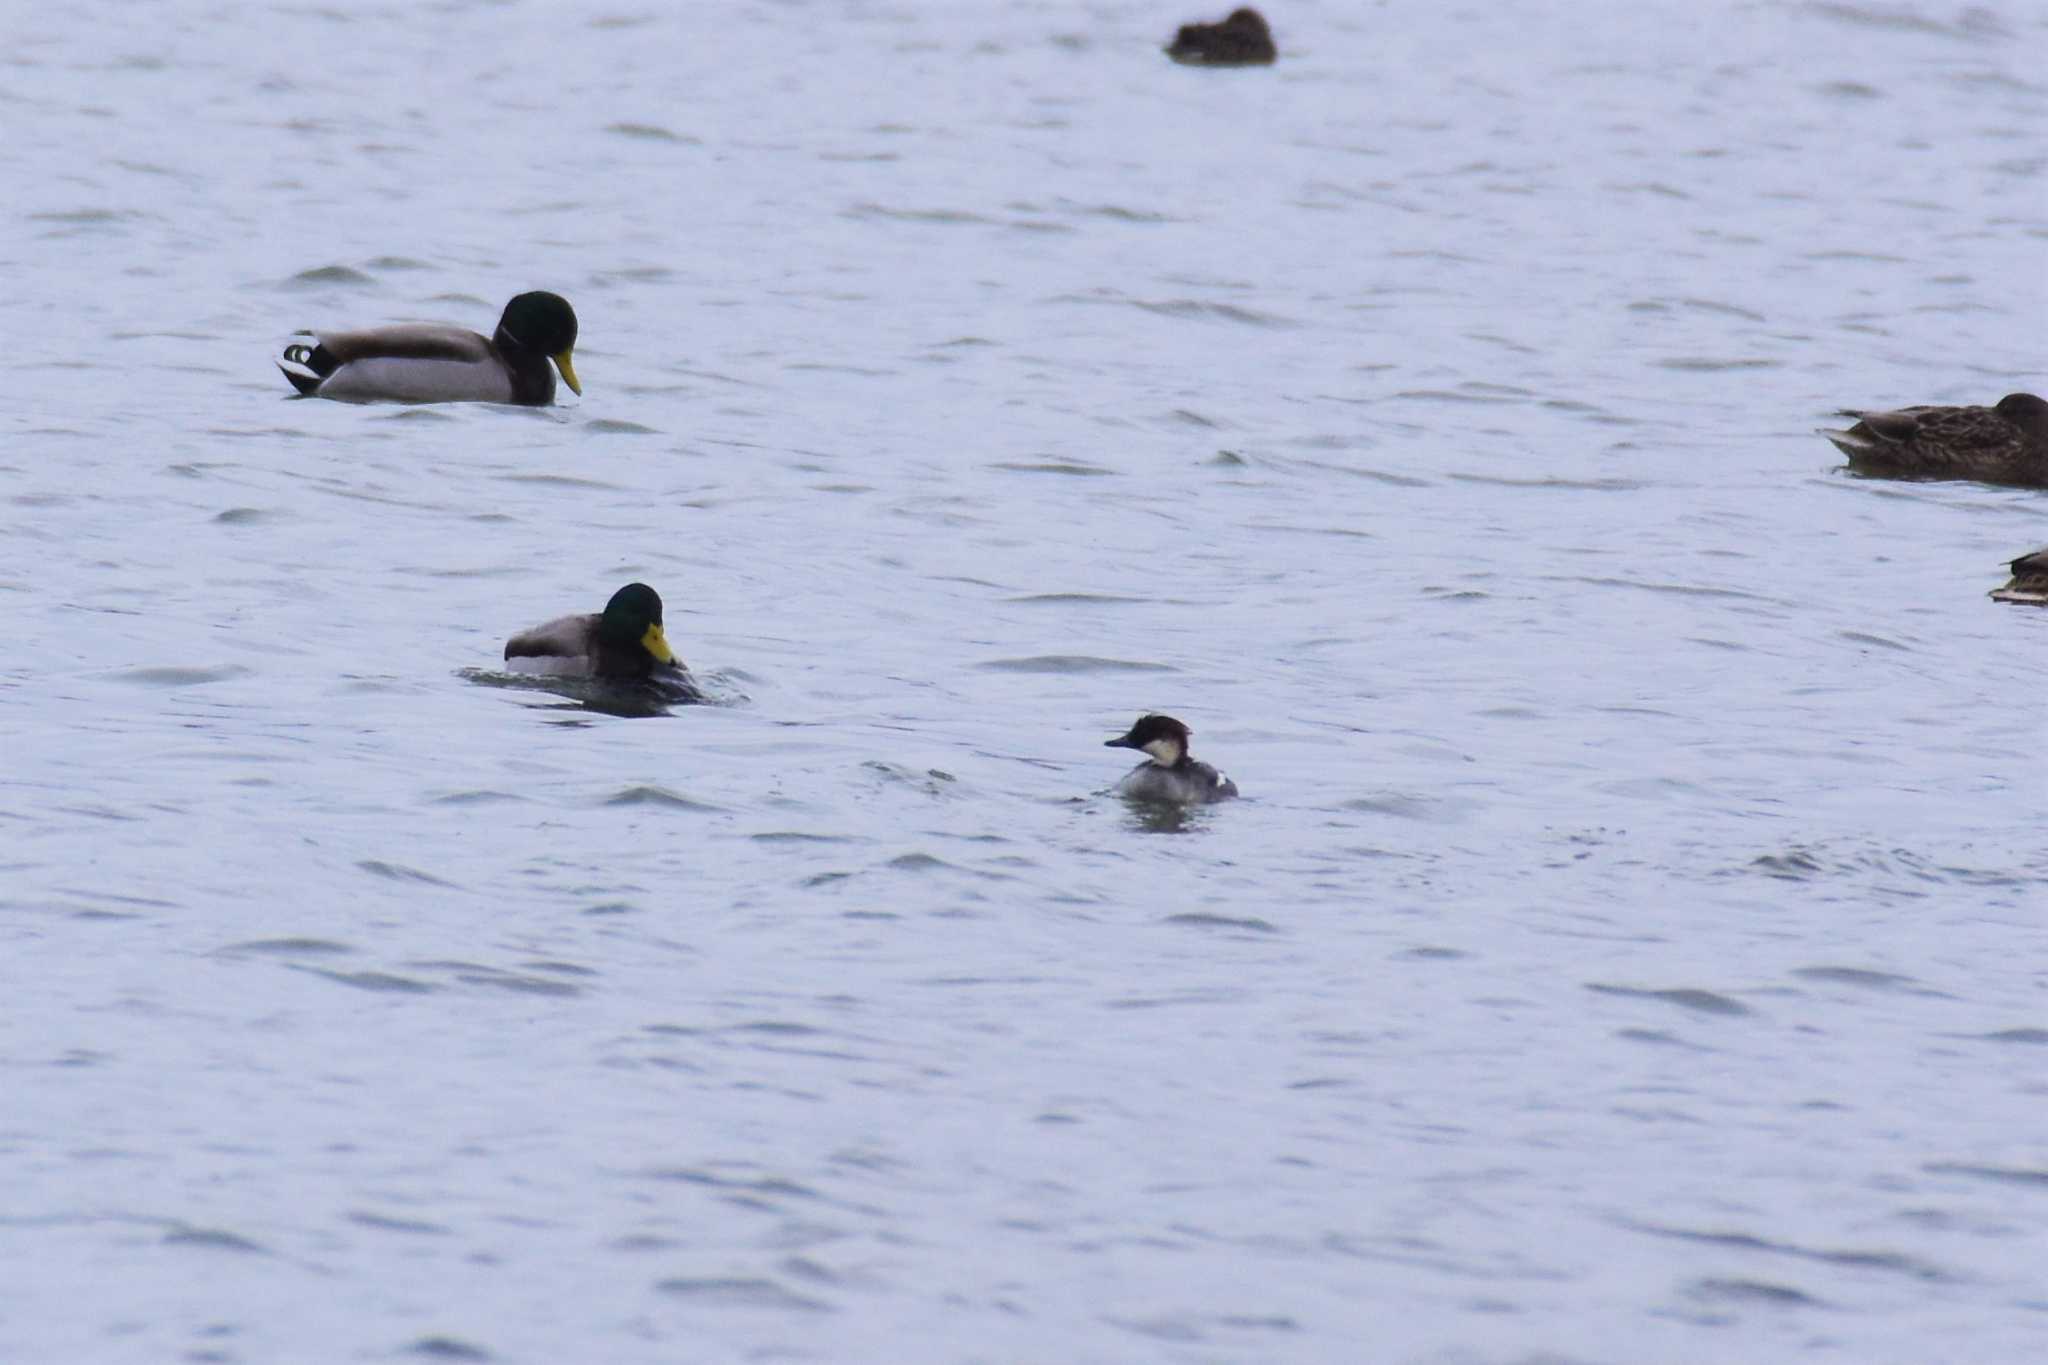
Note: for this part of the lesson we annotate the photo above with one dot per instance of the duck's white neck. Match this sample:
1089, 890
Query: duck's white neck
1165, 751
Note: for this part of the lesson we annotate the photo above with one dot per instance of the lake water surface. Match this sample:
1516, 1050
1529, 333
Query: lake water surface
1630, 947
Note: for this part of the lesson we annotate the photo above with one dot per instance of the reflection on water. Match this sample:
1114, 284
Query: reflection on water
609, 696
1164, 817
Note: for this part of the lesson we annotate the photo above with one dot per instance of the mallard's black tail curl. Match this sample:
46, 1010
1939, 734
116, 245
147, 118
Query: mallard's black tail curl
313, 365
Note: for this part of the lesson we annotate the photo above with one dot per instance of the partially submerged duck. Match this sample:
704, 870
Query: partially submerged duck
2029, 584
624, 643
433, 363
1240, 40
1169, 774
2005, 443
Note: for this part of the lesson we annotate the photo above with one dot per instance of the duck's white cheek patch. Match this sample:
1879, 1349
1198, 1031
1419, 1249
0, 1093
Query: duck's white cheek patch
1165, 752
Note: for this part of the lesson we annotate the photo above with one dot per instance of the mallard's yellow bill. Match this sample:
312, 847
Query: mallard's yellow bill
569, 377
654, 642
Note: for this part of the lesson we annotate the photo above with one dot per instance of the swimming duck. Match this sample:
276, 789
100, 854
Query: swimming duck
1240, 40
434, 363
2029, 581
1169, 773
622, 643
2005, 443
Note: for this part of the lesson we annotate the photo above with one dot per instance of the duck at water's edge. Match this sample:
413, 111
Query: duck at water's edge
435, 363
1169, 773
2029, 581
2005, 443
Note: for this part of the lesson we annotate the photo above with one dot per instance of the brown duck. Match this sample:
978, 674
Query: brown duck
2005, 443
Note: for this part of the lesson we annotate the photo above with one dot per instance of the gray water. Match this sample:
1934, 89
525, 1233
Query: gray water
1629, 947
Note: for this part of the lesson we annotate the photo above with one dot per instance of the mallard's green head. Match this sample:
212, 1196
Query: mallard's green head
632, 620
543, 322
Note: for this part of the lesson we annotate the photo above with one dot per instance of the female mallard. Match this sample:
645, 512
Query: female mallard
432, 363
2029, 581
2007, 443
622, 643
1240, 40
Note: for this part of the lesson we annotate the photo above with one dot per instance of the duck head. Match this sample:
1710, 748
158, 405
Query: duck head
1161, 738
545, 323
632, 620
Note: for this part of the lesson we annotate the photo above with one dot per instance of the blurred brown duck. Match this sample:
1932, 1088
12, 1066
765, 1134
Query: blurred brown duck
1240, 40
2006, 443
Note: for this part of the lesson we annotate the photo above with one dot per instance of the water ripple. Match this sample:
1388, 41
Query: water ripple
1073, 663
1685, 997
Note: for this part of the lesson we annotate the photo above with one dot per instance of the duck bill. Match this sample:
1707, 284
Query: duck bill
568, 369
1123, 742
654, 642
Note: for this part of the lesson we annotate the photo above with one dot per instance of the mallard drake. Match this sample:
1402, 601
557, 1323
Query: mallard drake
2029, 581
1169, 773
622, 643
432, 363
2005, 443
1240, 40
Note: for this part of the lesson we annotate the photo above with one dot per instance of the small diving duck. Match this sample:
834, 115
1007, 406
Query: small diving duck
1169, 773
623, 643
2005, 443
1240, 40
434, 363
2029, 584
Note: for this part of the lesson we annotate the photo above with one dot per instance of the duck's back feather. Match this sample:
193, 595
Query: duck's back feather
1964, 428
564, 640
409, 341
